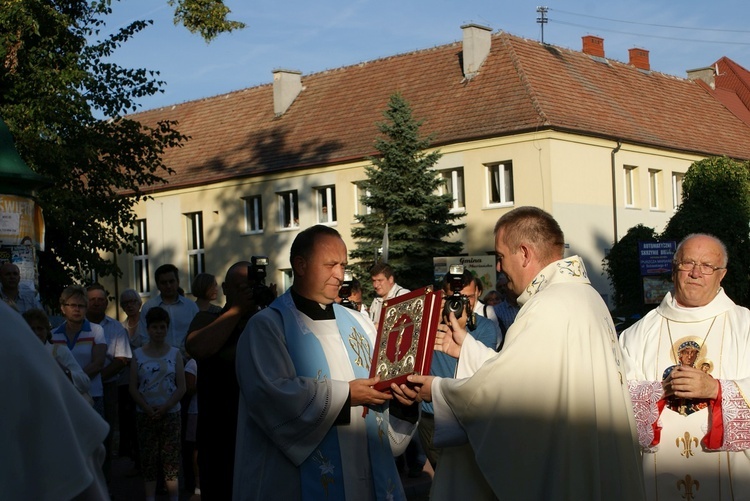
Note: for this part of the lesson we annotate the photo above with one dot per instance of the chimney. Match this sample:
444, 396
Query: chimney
707, 74
287, 84
639, 59
593, 46
476, 47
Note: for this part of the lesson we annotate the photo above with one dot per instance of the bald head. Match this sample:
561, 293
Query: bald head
699, 267
236, 275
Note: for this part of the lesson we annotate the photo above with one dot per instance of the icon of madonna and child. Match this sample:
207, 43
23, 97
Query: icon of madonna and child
688, 353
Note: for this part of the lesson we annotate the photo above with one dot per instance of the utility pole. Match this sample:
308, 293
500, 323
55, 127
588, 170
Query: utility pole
542, 19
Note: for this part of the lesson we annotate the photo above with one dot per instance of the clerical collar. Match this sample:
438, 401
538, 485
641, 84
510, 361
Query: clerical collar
313, 309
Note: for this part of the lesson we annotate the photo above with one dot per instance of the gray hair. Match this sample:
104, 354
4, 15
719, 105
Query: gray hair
129, 294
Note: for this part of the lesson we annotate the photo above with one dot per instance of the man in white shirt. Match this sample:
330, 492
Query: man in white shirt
384, 283
117, 359
19, 299
181, 310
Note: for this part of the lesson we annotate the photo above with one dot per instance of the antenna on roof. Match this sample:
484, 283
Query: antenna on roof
542, 19
716, 70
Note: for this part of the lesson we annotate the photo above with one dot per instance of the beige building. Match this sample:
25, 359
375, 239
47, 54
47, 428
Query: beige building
600, 144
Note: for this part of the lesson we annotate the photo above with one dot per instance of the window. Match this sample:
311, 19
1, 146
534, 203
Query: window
654, 183
288, 209
286, 279
500, 183
677, 188
140, 258
453, 184
630, 185
196, 250
360, 208
253, 214
326, 204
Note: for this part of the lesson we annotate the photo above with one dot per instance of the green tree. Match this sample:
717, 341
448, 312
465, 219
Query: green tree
716, 200
206, 17
402, 192
622, 267
55, 77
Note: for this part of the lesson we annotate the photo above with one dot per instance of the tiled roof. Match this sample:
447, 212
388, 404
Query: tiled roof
523, 85
732, 83
733, 76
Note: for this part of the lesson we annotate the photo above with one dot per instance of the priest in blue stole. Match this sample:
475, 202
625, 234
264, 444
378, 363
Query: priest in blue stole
303, 367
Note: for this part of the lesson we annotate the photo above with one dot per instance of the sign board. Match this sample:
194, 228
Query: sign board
479, 266
21, 222
655, 258
655, 288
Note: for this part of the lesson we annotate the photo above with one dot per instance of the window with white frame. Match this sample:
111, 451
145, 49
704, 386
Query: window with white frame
288, 209
140, 258
253, 214
630, 184
500, 183
195, 246
677, 188
286, 279
654, 187
453, 184
360, 192
326, 204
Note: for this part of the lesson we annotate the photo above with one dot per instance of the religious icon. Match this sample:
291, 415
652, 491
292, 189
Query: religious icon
705, 365
687, 352
406, 336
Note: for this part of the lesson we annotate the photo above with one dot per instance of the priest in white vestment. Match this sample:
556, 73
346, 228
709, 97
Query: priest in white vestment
693, 420
548, 417
52, 439
310, 425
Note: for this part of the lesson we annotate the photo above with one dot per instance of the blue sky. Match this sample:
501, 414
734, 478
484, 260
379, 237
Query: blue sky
314, 36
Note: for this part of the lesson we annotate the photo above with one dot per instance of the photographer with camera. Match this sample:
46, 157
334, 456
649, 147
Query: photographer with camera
458, 287
212, 341
350, 294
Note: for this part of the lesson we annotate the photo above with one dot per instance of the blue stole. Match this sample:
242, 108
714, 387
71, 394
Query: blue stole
321, 474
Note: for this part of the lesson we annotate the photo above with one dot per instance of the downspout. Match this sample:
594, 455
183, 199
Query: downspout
614, 191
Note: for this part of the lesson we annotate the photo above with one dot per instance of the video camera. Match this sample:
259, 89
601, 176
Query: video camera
256, 279
346, 290
457, 303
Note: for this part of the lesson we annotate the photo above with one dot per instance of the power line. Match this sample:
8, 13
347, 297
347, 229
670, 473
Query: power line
691, 28
644, 35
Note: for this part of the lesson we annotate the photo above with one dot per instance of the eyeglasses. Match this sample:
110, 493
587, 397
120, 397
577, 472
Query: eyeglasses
705, 269
75, 306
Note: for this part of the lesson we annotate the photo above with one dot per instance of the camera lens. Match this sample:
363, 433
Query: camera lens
455, 305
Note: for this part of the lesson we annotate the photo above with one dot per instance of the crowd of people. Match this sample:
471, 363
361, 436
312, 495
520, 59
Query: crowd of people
531, 393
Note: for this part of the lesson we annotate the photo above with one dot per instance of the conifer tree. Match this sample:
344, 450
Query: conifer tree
402, 191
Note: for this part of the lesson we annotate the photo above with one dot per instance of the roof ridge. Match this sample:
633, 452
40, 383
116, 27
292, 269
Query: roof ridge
516, 61
383, 58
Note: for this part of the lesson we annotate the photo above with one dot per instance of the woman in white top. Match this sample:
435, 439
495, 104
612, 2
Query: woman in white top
157, 383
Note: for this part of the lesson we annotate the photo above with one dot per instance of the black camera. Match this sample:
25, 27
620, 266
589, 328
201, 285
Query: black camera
256, 279
346, 290
457, 303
